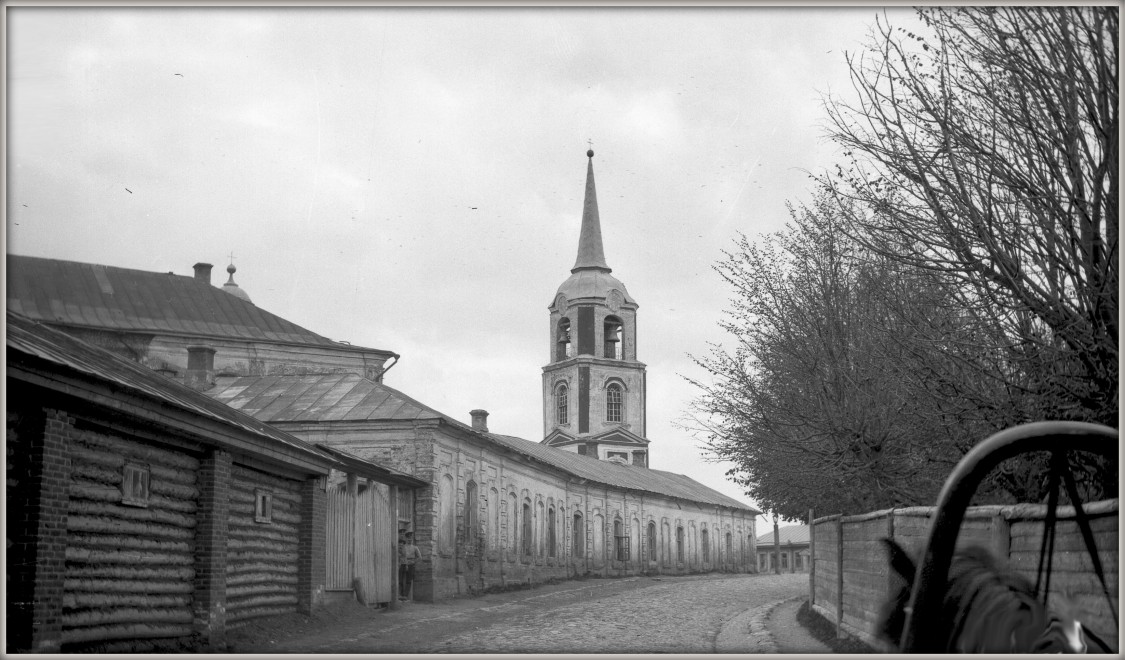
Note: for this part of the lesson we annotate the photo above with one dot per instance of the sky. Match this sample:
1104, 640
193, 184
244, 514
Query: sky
411, 179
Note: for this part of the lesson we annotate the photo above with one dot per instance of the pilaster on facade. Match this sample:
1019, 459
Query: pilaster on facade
36, 558
312, 544
209, 612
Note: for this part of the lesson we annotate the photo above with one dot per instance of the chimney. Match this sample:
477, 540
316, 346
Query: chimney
203, 272
480, 420
200, 374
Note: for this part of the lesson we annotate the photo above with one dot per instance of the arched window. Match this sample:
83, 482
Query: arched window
472, 513
620, 542
652, 541
679, 544
705, 547
561, 404
579, 533
635, 541
563, 348
730, 547
527, 538
551, 539
613, 403
612, 332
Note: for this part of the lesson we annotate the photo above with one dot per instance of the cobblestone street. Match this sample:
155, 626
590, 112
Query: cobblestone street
632, 615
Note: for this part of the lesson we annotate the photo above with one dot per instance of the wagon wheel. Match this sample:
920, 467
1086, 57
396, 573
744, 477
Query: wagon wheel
1058, 438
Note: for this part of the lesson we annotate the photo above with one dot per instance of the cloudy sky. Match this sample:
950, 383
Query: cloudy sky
412, 179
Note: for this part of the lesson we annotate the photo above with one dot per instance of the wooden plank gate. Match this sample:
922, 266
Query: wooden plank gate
359, 532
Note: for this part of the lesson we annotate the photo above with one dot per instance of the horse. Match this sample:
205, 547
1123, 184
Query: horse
986, 608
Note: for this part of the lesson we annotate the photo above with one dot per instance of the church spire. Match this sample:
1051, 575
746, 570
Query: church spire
590, 253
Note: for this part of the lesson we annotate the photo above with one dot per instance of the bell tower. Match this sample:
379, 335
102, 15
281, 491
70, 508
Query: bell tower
593, 385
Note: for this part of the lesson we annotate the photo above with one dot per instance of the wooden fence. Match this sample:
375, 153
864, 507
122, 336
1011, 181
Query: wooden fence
850, 578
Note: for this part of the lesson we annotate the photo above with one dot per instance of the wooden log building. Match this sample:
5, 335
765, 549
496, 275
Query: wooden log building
143, 515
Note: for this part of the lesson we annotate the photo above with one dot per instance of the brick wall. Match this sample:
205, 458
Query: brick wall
486, 558
37, 470
209, 603
311, 548
1012, 533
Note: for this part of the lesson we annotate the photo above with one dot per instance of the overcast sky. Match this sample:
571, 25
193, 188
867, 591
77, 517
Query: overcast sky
412, 179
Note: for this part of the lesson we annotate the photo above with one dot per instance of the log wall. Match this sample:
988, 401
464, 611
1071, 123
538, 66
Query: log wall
262, 557
129, 569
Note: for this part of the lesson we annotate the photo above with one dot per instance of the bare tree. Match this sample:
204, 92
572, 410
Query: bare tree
825, 400
984, 148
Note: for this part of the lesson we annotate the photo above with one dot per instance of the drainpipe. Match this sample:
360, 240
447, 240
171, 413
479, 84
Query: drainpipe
386, 369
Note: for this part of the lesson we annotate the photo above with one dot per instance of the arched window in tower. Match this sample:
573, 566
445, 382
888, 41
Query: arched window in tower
612, 332
613, 403
561, 404
563, 348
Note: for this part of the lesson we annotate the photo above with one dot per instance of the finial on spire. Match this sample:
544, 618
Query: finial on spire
590, 151
590, 253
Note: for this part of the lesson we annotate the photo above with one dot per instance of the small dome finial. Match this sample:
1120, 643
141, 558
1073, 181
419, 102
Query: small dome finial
589, 153
232, 288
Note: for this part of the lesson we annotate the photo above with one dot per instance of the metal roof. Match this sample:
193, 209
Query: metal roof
317, 398
34, 339
795, 534
95, 296
348, 397
620, 475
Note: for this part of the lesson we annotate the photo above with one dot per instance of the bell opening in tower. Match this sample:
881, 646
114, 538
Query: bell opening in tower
563, 346
612, 333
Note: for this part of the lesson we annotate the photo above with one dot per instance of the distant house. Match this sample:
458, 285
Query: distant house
794, 556
143, 515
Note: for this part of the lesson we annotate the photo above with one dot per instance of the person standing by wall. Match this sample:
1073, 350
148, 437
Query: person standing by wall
408, 555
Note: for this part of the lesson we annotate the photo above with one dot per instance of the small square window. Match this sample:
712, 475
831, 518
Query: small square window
263, 505
135, 484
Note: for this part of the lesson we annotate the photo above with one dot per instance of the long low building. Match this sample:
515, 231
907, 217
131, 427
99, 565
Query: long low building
499, 509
